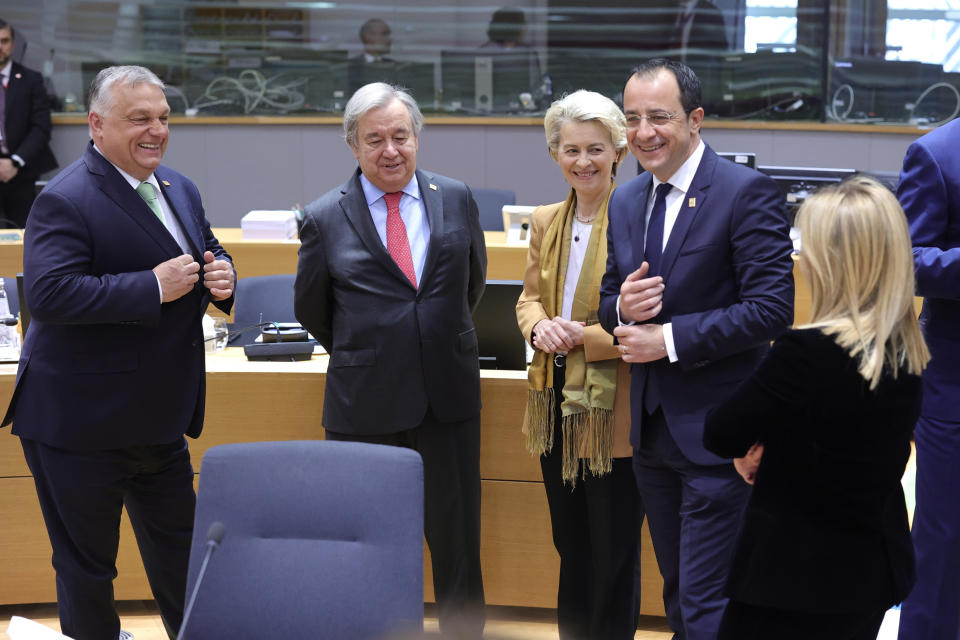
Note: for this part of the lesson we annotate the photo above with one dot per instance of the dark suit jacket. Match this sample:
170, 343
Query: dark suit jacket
394, 350
825, 530
929, 192
27, 121
728, 289
104, 364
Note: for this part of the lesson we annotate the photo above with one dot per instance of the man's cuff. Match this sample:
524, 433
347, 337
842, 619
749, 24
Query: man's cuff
17, 160
668, 341
159, 287
621, 322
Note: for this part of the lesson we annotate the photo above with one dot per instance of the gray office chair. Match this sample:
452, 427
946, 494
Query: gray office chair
490, 204
321, 540
261, 299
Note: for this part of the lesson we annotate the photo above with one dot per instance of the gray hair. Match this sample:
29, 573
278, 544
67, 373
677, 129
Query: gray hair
101, 89
373, 96
586, 106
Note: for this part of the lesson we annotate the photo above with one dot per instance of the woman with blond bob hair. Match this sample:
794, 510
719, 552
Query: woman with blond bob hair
578, 405
824, 547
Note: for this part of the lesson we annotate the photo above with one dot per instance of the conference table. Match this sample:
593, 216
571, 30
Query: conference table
263, 401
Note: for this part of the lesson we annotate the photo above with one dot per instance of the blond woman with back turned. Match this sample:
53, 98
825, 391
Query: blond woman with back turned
824, 548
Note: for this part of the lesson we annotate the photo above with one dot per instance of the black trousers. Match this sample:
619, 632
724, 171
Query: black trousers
16, 198
743, 621
82, 494
451, 478
596, 530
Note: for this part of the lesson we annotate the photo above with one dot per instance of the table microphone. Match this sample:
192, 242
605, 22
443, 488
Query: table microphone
214, 537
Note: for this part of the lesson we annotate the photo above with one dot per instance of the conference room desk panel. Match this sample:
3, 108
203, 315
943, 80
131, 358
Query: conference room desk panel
261, 401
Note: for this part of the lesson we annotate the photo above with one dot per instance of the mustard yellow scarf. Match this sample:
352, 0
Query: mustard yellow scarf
590, 387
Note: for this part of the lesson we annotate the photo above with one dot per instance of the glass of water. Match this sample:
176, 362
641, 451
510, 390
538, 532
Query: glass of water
220, 334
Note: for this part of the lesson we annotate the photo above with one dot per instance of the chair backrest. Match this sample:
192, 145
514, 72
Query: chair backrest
262, 299
322, 540
490, 204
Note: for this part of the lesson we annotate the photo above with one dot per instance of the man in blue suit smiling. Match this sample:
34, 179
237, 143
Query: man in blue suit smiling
112, 371
699, 280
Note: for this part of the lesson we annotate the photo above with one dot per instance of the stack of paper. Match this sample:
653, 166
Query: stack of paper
269, 225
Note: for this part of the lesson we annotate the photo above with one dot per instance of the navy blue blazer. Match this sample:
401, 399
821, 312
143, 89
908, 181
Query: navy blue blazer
394, 350
728, 279
929, 192
105, 365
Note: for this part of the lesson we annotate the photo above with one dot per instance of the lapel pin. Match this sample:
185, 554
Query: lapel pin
433, 187
166, 183
17, 76
692, 202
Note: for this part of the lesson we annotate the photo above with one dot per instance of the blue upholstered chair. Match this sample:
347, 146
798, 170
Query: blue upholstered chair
323, 540
490, 204
261, 299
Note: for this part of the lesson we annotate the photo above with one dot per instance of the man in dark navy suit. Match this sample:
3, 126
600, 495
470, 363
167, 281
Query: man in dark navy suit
699, 280
24, 132
119, 265
929, 192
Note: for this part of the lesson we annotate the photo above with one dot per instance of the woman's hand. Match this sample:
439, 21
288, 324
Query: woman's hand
558, 335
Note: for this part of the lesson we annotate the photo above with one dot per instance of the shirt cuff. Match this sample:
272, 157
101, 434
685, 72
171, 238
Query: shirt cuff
159, 287
621, 322
17, 160
668, 342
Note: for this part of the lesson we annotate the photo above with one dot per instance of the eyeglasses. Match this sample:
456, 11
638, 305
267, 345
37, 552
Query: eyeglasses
658, 119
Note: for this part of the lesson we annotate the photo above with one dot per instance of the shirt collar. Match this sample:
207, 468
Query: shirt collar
134, 182
683, 176
373, 193
7, 69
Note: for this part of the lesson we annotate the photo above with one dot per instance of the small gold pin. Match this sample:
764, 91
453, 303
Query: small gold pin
167, 184
433, 187
692, 202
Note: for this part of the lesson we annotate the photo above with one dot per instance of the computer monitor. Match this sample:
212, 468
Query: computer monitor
501, 344
799, 183
489, 80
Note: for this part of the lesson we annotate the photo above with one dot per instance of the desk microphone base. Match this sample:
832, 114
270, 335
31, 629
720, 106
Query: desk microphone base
279, 351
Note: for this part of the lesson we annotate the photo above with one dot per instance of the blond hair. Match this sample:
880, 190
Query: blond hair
857, 257
586, 106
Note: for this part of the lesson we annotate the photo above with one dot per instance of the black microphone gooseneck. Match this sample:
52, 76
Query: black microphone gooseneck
214, 537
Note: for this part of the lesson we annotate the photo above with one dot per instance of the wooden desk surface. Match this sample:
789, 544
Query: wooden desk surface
261, 401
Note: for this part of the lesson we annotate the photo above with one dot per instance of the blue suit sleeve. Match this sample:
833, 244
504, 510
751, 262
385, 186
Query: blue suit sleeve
924, 194
60, 285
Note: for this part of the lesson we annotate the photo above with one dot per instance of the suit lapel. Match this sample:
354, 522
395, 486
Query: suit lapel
172, 188
638, 221
115, 187
354, 206
433, 204
693, 203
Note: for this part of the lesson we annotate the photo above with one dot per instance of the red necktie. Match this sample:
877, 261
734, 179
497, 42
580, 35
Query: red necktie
397, 243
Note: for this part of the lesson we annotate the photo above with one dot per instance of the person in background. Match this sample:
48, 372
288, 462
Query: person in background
824, 549
24, 133
374, 64
119, 266
699, 281
929, 192
578, 409
392, 264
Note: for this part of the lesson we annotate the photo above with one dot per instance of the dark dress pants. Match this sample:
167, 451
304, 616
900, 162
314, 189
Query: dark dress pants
16, 198
694, 513
743, 621
932, 610
82, 494
451, 478
596, 529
